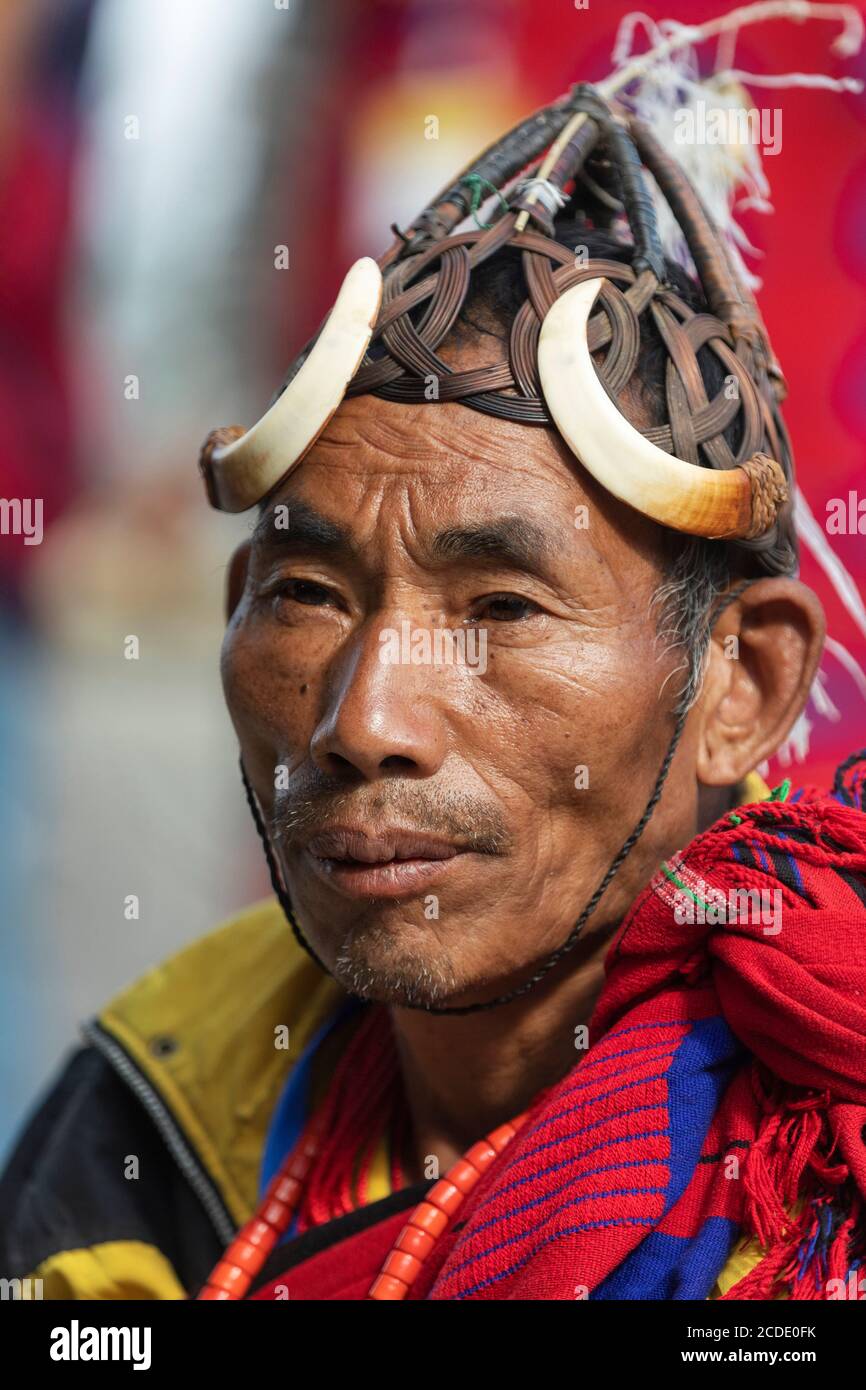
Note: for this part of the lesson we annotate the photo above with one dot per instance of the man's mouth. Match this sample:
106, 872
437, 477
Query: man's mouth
389, 863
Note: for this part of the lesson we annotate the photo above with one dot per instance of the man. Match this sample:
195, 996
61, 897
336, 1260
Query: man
506, 1055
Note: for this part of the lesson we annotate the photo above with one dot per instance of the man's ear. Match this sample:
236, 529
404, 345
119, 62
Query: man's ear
764, 652
236, 577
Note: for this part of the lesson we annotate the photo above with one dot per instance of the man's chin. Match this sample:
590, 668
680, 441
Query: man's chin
378, 966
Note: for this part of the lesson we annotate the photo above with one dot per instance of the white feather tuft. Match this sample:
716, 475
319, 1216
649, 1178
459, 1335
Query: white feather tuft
672, 97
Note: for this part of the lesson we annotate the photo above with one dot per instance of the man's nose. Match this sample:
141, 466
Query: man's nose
384, 715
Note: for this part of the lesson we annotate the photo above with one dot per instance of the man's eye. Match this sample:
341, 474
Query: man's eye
507, 608
304, 591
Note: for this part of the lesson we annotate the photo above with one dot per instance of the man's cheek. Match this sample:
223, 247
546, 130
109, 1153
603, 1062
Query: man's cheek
262, 691
578, 758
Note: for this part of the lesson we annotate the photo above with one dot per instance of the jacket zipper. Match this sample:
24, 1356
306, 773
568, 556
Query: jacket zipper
168, 1129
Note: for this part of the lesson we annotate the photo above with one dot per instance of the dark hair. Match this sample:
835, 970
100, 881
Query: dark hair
497, 290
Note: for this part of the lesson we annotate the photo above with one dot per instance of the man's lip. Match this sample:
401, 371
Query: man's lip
365, 846
399, 878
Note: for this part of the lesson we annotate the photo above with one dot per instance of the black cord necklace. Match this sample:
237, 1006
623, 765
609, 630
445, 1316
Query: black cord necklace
286, 904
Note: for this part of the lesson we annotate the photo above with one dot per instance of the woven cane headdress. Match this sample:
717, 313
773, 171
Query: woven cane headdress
390, 318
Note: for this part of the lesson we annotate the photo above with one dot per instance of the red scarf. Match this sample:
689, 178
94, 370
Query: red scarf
724, 1089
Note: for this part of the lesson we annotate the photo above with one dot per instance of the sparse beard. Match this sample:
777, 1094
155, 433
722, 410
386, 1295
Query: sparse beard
376, 964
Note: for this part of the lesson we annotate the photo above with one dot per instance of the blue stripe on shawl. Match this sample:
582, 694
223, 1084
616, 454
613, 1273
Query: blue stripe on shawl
292, 1108
672, 1267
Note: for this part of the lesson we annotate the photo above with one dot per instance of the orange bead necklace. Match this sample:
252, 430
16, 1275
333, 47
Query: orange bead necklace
245, 1256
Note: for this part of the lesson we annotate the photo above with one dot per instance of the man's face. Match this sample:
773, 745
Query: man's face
528, 756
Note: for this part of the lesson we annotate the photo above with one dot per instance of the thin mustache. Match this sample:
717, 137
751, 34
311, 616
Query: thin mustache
298, 818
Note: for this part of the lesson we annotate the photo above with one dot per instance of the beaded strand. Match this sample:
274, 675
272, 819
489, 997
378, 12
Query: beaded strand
245, 1256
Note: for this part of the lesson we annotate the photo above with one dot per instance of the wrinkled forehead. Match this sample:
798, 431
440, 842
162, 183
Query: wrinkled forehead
382, 465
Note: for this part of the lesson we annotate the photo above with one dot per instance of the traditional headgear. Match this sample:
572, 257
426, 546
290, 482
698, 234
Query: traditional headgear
682, 474
549, 375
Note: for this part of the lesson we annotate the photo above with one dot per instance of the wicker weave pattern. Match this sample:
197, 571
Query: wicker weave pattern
432, 267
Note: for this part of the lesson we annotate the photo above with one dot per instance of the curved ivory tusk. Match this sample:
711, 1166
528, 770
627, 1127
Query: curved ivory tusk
239, 467
717, 503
